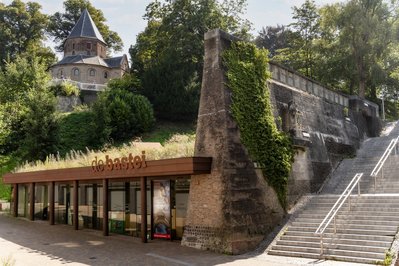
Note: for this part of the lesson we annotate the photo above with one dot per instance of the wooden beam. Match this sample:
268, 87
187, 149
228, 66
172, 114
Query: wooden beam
32, 202
15, 200
105, 207
143, 188
165, 167
76, 204
51, 203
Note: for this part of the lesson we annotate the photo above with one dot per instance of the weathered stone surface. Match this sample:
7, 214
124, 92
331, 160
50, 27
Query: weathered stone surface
67, 103
233, 208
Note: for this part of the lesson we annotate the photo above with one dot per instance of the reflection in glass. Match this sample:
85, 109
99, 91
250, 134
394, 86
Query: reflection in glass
41, 202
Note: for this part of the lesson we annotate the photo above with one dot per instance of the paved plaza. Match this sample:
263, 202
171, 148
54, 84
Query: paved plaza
24, 242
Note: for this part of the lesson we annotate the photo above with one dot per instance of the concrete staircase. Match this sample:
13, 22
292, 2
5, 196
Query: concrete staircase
364, 233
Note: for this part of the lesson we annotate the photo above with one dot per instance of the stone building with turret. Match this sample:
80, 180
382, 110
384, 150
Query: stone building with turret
85, 60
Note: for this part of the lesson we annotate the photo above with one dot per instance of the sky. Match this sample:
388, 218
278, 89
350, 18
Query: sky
126, 16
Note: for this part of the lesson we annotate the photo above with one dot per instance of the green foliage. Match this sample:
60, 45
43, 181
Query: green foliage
39, 125
65, 88
21, 28
351, 46
171, 49
129, 82
61, 24
247, 74
120, 114
7, 163
76, 131
19, 81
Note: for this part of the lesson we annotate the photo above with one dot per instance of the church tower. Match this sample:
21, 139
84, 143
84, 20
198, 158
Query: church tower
85, 39
85, 62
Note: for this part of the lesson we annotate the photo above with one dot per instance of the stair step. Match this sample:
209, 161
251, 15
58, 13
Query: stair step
327, 245
346, 231
348, 225
294, 254
362, 254
350, 220
343, 235
361, 242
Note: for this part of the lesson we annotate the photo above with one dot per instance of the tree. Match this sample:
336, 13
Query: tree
39, 125
299, 53
22, 81
120, 114
61, 24
21, 29
274, 38
171, 49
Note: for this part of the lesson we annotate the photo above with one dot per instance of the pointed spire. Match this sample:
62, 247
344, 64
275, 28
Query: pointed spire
86, 28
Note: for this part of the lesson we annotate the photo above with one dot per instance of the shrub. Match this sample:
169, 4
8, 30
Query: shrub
76, 131
65, 89
120, 114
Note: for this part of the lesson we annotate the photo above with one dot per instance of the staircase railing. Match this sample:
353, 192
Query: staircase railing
380, 165
331, 216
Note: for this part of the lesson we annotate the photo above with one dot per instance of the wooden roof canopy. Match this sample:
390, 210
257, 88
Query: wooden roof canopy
165, 167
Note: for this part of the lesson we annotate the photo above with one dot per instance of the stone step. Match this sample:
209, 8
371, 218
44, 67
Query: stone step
374, 231
348, 225
345, 211
338, 252
349, 220
314, 256
383, 238
316, 239
327, 246
355, 208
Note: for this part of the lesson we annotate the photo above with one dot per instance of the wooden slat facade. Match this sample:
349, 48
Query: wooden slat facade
165, 167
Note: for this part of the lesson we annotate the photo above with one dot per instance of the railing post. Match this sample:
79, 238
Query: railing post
335, 225
321, 244
382, 172
349, 202
375, 183
358, 188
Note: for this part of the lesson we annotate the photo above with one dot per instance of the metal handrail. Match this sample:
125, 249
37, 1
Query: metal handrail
337, 206
379, 166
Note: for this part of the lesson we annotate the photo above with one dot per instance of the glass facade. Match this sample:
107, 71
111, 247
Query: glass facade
125, 207
166, 205
63, 204
41, 202
23, 200
91, 205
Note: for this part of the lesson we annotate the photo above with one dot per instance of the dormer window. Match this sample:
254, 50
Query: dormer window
92, 72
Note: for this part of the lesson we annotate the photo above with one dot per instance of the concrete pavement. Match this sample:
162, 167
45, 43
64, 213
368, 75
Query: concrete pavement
24, 242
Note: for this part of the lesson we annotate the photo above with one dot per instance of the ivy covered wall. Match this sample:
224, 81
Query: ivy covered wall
247, 75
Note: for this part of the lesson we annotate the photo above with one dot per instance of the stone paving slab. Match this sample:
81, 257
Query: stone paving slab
26, 243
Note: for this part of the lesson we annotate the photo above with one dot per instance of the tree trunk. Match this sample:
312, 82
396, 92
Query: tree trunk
362, 79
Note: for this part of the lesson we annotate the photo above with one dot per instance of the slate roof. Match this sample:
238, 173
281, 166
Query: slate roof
114, 61
86, 28
92, 60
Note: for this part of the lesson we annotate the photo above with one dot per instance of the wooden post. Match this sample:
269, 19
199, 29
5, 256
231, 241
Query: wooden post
76, 204
32, 202
51, 203
143, 188
105, 207
15, 200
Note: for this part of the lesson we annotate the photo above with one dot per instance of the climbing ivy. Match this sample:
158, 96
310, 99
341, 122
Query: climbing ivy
247, 75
